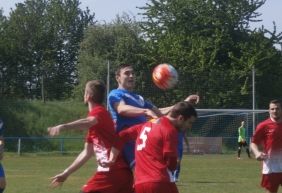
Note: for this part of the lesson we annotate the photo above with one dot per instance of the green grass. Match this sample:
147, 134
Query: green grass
30, 173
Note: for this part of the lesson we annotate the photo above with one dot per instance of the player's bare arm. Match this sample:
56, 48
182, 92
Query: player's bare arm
81, 159
80, 124
194, 99
131, 111
258, 154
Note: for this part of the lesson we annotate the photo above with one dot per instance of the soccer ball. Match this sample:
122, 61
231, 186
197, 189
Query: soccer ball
165, 76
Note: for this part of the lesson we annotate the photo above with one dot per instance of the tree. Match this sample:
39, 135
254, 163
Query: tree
3, 54
44, 38
211, 43
116, 42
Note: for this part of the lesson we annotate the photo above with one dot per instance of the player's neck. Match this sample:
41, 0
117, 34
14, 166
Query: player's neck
277, 120
91, 105
124, 88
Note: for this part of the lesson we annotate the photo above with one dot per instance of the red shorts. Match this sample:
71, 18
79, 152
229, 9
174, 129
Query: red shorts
117, 181
156, 187
272, 181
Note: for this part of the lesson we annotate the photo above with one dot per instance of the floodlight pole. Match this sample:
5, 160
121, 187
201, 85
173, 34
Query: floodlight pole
254, 98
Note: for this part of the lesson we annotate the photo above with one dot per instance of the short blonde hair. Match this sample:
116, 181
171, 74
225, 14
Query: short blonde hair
96, 89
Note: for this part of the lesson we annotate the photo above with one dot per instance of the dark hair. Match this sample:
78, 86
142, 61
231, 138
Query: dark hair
276, 101
122, 66
96, 89
185, 109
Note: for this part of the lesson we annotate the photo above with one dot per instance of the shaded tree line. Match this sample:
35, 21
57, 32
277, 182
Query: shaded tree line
210, 42
39, 48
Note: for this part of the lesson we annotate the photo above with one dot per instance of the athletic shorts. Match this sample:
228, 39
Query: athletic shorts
117, 181
156, 187
244, 144
2, 173
272, 181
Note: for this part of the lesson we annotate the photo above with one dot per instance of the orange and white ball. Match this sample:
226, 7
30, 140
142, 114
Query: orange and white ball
165, 76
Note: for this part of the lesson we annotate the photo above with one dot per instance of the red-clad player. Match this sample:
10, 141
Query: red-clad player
268, 135
117, 178
156, 149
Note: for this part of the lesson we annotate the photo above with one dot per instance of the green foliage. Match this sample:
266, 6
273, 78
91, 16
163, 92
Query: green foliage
41, 41
210, 42
116, 42
32, 118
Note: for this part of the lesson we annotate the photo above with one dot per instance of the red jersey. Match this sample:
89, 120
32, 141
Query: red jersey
269, 135
154, 142
102, 136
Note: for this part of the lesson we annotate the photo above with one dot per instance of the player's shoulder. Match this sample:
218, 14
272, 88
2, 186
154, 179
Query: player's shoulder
117, 92
265, 123
97, 110
165, 125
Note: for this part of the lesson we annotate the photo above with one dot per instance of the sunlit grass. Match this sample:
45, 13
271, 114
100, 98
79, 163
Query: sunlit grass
200, 173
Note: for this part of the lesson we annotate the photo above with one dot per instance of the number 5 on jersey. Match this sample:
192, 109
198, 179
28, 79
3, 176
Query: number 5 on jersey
143, 137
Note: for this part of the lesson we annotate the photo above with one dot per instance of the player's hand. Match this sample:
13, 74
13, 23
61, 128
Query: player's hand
261, 156
55, 130
105, 164
58, 180
151, 114
194, 99
112, 158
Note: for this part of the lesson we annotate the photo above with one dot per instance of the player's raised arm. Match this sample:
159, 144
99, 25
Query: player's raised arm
80, 124
130, 111
124, 136
193, 99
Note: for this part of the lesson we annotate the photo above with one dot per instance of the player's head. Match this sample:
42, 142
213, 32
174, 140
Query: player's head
275, 110
125, 76
243, 123
94, 92
183, 115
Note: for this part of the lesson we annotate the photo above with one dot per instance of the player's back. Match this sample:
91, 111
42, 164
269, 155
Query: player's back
154, 141
102, 135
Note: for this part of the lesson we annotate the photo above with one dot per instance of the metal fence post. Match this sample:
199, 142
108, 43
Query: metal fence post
62, 145
19, 146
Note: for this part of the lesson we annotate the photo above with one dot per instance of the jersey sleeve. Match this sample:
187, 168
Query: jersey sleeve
115, 97
148, 105
129, 134
259, 134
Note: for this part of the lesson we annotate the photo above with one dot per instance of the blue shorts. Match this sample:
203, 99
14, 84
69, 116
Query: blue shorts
129, 153
2, 173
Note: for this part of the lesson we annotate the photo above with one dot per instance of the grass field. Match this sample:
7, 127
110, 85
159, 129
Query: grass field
200, 173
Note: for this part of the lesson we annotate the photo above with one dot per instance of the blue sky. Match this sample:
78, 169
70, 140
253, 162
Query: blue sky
106, 10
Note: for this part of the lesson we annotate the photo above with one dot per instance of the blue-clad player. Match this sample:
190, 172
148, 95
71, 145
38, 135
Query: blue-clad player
181, 138
128, 108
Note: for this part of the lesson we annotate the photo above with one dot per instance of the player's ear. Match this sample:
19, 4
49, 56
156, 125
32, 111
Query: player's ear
118, 78
180, 118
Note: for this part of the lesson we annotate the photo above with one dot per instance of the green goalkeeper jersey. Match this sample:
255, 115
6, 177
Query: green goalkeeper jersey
241, 132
